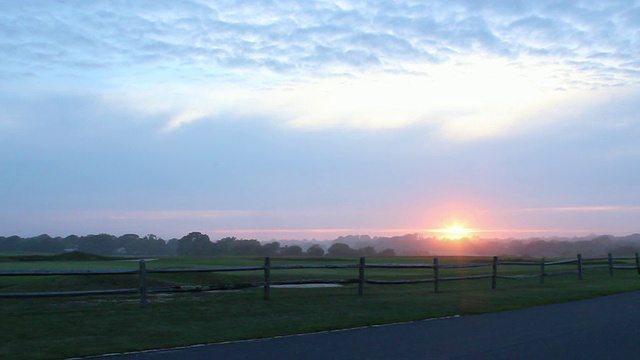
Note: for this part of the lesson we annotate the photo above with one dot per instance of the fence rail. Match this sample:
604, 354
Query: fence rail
361, 280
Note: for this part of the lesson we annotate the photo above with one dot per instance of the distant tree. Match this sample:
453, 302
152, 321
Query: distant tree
367, 251
341, 249
129, 244
625, 250
387, 252
246, 247
195, 244
71, 242
45, 243
132, 244
172, 247
152, 244
271, 249
293, 250
223, 246
102, 244
538, 248
151, 237
12, 243
237, 247
315, 250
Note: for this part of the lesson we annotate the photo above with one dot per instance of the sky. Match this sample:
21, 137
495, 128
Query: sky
317, 119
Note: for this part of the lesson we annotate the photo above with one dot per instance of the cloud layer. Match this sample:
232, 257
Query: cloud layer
318, 114
323, 64
294, 36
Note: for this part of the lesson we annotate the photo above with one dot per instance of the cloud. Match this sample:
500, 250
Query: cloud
466, 69
161, 214
473, 98
378, 112
287, 37
121, 163
605, 208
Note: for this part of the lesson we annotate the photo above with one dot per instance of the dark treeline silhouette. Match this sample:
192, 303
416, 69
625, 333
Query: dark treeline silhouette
198, 244
193, 244
418, 244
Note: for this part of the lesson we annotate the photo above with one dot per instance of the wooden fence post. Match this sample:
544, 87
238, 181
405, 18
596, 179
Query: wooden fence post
267, 278
542, 271
580, 266
494, 272
610, 264
143, 283
361, 277
638, 263
436, 275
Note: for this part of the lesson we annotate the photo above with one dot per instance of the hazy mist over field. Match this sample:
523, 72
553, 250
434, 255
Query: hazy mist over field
318, 119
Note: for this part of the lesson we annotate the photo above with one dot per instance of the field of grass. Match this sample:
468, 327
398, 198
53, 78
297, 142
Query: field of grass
54, 328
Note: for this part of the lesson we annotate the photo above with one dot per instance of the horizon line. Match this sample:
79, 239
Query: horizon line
302, 233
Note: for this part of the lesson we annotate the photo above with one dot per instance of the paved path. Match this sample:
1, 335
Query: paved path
607, 327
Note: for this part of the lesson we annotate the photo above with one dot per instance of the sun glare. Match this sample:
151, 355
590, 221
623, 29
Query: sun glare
455, 232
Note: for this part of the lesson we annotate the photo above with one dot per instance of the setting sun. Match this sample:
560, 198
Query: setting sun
455, 232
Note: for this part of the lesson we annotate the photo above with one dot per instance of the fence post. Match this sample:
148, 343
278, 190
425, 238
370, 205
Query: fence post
580, 266
436, 275
267, 278
638, 263
143, 283
361, 277
542, 271
494, 272
610, 264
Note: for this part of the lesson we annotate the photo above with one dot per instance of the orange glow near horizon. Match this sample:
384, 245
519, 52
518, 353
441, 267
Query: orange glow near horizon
455, 232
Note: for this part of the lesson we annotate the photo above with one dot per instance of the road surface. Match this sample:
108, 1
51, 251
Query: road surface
606, 327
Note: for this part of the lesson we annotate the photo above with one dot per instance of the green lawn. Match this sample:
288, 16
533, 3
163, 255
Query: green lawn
54, 328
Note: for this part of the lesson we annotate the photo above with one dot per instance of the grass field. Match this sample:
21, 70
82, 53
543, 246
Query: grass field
54, 328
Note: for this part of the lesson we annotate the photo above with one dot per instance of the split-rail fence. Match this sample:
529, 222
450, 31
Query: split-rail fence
578, 266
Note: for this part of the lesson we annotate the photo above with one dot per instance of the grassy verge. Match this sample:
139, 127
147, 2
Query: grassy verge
65, 327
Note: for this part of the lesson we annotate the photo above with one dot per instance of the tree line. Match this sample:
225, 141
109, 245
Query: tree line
199, 244
560, 247
193, 244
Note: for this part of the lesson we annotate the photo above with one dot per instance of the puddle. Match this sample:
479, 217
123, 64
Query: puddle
137, 260
305, 286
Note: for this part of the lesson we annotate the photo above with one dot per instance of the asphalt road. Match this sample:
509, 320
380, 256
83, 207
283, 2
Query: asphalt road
607, 327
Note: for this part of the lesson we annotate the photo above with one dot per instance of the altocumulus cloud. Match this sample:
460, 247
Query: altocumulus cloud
216, 56
291, 36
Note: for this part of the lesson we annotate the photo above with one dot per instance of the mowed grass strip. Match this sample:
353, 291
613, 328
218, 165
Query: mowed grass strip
55, 328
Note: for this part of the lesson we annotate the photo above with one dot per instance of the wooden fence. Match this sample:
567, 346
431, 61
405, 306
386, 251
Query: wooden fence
579, 265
